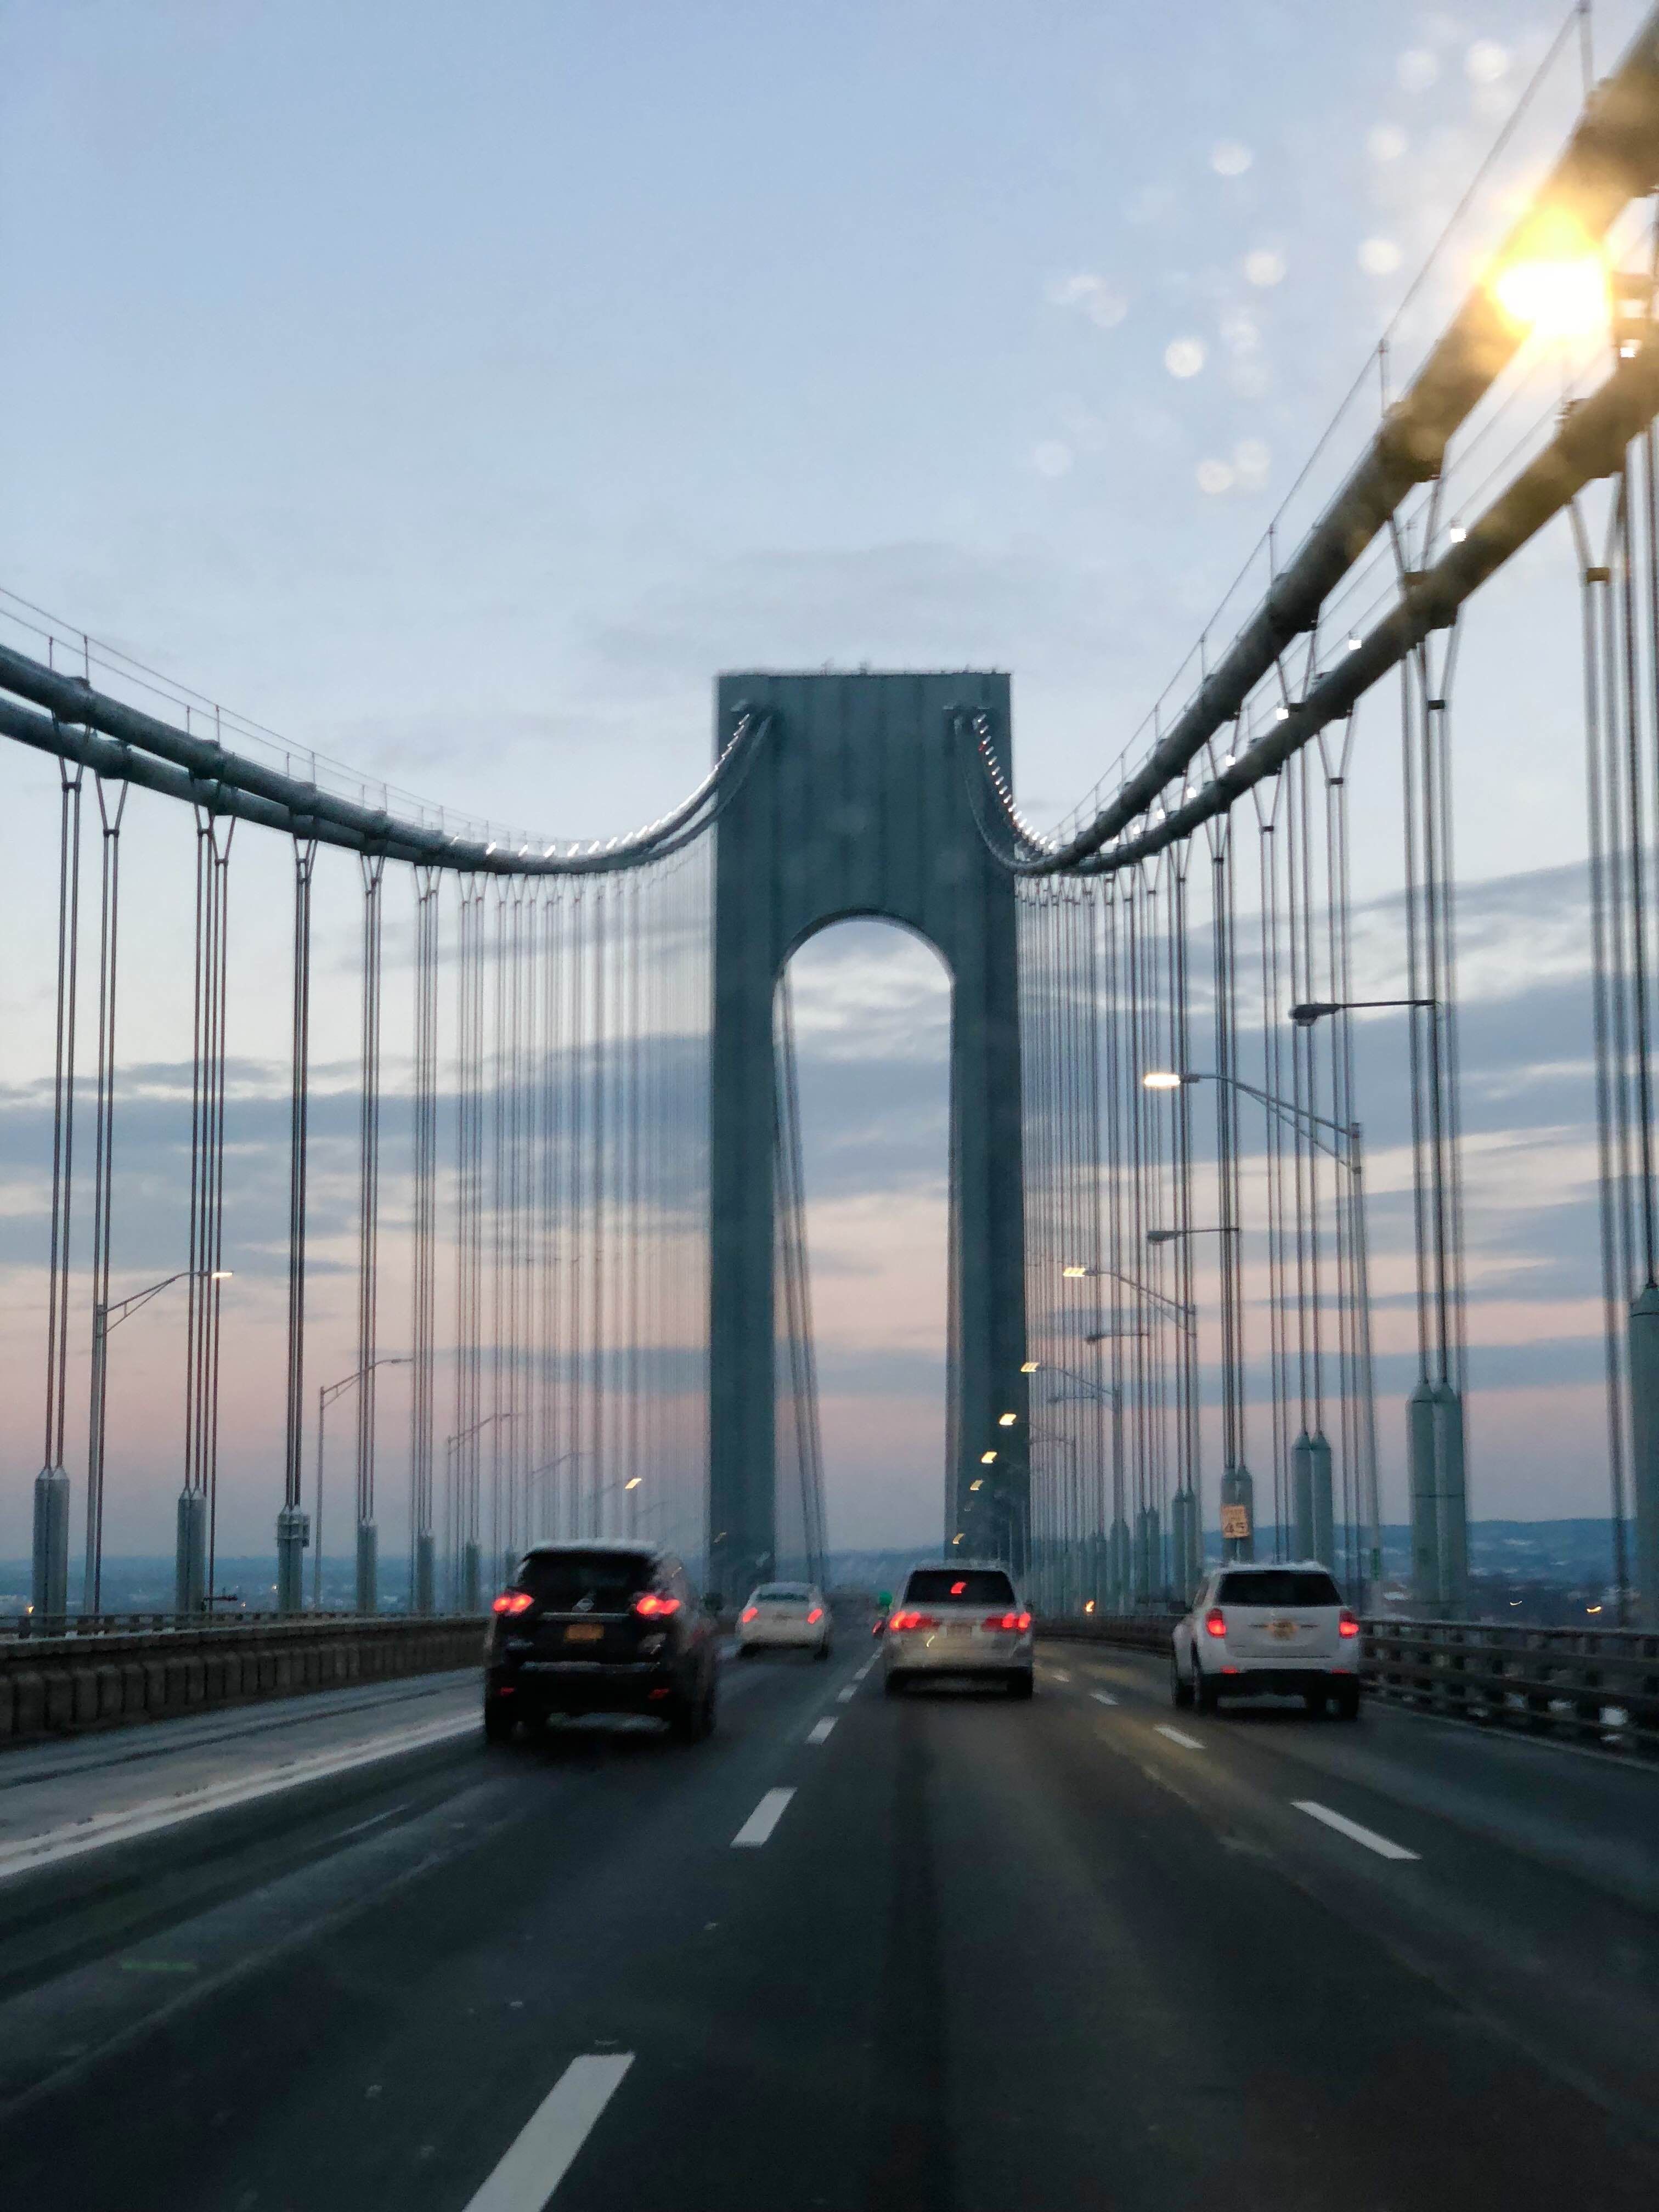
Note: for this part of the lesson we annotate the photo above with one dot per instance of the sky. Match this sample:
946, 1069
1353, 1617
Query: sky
456, 388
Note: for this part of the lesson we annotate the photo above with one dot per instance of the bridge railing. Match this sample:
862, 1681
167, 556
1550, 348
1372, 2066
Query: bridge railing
28, 1626
61, 1685
1599, 1685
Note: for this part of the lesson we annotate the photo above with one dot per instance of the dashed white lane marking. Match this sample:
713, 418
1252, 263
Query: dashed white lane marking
762, 1821
541, 2156
1187, 1742
819, 1731
864, 1669
1369, 1836
1102, 1696
1059, 1674
846, 1697
53, 1845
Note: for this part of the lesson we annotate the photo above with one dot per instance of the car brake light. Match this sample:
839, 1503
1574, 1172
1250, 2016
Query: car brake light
1215, 1621
817, 1614
1016, 1623
750, 1613
902, 1620
650, 1606
512, 1601
1345, 1623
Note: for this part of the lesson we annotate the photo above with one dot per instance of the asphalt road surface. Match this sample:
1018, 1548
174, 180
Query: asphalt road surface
946, 1953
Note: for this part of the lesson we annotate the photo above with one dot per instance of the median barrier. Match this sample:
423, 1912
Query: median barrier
69, 1684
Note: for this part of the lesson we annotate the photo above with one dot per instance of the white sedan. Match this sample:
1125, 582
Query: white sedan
792, 1615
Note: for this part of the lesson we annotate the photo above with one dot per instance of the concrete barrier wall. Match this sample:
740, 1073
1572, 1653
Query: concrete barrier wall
61, 1685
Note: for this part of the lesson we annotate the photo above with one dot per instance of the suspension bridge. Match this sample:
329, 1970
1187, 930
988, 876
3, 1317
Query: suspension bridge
581, 1227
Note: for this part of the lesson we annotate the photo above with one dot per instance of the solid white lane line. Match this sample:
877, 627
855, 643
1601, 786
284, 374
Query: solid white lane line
1369, 1836
762, 1821
1102, 1696
1187, 1742
820, 1729
846, 1697
55, 1844
541, 2156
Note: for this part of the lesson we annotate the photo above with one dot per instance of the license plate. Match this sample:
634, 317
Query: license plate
584, 1631
1284, 1630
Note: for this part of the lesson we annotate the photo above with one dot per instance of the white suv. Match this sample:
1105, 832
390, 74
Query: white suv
1280, 1627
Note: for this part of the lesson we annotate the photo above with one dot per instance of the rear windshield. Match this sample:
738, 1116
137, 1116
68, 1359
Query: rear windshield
561, 1580
784, 1594
974, 1586
1278, 1586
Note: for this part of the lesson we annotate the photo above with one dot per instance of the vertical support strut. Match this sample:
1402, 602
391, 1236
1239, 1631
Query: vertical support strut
422, 1542
368, 1237
193, 1559
109, 817
293, 1526
49, 1575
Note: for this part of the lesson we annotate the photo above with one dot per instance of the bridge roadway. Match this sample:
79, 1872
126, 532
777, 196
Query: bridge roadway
1088, 1952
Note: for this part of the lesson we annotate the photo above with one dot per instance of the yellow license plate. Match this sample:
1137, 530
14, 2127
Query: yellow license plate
584, 1631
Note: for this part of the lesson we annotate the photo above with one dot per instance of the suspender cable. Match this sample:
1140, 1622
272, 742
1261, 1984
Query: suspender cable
109, 817
292, 1531
50, 1581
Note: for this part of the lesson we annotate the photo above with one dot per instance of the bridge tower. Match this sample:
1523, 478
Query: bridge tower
857, 804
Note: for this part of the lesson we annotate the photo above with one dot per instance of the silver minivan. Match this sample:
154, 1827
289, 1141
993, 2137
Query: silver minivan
959, 1617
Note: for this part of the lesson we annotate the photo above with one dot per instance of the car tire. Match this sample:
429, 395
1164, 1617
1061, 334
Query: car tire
745, 1650
1347, 1701
893, 1685
500, 1721
821, 1650
1021, 1684
690, 1719
1203, 1692
1181, 1690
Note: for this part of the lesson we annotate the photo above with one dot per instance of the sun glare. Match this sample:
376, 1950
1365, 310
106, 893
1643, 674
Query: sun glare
1557, 288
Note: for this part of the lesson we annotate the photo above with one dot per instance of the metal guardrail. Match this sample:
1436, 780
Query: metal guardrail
1599, 1685
19, 1627
59, 1685
1602, 1684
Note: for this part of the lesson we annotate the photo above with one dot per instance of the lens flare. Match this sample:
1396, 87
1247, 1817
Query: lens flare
1557, 288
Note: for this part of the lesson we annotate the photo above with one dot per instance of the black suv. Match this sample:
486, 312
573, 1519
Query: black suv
599, 1627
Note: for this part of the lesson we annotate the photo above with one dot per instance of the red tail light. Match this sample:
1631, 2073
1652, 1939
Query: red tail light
817, 1614
1215, 1621
650, 1606
1014, 1624
1347, 1624
750, 1613
903, 1620
512, 1601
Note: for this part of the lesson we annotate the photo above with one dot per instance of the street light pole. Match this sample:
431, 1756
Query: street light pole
108, 1314
466, 1580
1344, 1143
327, 1393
